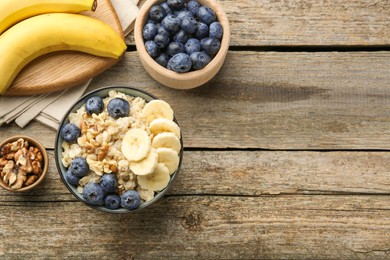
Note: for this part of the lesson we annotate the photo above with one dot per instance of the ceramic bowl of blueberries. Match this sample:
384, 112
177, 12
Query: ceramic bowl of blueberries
182, 44
105, 177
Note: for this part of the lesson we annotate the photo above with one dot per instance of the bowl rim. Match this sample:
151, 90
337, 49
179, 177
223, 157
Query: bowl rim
58, 149
191, 75
42, 149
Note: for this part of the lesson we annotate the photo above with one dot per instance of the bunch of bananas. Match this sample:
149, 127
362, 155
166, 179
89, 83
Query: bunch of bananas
31, 28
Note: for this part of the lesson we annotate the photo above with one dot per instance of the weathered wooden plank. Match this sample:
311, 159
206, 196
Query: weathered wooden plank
307, 23
203, 227
273, 100
255, 173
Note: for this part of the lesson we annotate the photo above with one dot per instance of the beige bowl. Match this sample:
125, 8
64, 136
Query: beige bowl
190, 79
32, 142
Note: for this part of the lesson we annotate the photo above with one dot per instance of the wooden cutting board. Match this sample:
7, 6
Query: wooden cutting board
62, 70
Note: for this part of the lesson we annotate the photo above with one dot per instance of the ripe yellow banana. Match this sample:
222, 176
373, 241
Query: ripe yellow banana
47, 33
14, 11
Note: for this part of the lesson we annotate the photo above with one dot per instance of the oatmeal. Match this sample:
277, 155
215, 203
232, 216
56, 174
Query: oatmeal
114, 137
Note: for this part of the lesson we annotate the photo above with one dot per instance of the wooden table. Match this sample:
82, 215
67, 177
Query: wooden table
286, 150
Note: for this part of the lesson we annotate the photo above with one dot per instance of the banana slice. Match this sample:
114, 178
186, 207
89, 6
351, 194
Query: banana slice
167, 140
169, 158
136, 144
157, 180
147, 165
161, 125
157, 109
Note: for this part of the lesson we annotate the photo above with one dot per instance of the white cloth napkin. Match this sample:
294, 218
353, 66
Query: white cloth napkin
50, 108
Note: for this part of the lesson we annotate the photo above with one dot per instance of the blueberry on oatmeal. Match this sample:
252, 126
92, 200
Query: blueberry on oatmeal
70, 132
94, 105
93, 194
130, 199
112, 201
118, 107
79, 167
109, 183
71, 178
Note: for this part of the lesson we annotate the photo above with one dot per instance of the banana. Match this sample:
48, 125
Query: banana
47, 33
161, 125
14, 11
169, 158
157, 109
136, 144
147, 165
167, 140
157, 180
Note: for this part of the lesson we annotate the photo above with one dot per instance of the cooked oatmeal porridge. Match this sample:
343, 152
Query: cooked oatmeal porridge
140, 148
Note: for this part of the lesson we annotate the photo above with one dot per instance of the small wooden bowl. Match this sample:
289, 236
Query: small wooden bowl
35, 143
190, 79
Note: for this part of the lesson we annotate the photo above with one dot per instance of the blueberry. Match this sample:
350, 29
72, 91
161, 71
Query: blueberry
130, 199
193, 7
216, 30
175, 4
165, 6
163, 59
161, 40
112, 201
189, 24
70, 132
93, 194
152, 48
151, 21
118, 107
175, 48
180, 36
185, 13
94, 105
192, 45
79, 167
109, 183
181, 63
199, 60
171, 23
149, 31
202, 31
157, 13
162, 30
206, 15
71, 178
210, 45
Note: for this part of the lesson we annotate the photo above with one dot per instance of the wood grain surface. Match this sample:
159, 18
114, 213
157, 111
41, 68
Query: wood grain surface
232, 218
61, 70
272, 23
273, 100
286, 150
